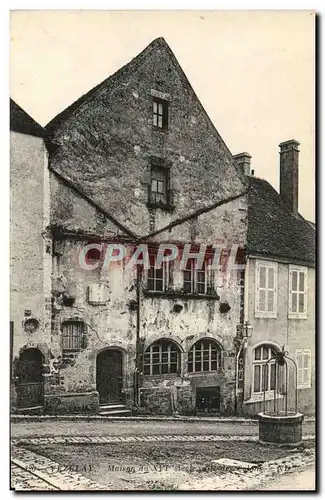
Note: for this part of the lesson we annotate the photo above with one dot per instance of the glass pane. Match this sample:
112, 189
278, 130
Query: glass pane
197, 355
154, 186
197, 367
159, 121
190, 355
154, 106
164, 368
294, 302
173, 356
262, 277
299, 361
155, 370
262, 300
161, 187
164, 357
190, 367
270, 301
159, 285
306, 361
160, 109
257, 374
155, 358
151, 284
173, 368
187, 275
265, 377
305, 376
146, 359
206, 366
272, 377
200, 288
146, 369
294, 280
187, 287
302, 282
301, 302
214, 365
271, 278
258, 352
155, 348
155, 120
266, 353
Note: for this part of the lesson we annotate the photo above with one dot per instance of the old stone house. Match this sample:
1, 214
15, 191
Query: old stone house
137, 161
279, 303
30, 257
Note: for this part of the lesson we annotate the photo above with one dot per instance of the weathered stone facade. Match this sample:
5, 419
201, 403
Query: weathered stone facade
105, 149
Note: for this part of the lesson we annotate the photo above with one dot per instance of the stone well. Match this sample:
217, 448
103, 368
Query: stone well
280, 429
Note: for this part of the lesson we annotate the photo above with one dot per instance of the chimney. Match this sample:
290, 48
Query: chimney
289, 176
243, 163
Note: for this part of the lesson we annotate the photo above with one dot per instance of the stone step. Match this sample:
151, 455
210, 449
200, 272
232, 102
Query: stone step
34, 410
107, 407
125, 412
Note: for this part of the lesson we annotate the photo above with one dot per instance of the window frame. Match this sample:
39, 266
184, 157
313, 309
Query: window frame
268, 265
149, 352
298, 270
302, 353
261, 364
193, 361
166, 268
156, 115
209, 277
80, 336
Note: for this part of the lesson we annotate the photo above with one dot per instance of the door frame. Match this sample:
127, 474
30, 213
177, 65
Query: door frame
124, 356
34, 384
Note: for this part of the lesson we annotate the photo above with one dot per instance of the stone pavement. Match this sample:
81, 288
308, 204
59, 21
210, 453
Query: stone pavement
30, 471
252, 480
105, 427
134, 439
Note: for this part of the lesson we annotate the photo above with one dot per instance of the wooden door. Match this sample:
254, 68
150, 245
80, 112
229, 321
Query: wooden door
109, 376
30, 389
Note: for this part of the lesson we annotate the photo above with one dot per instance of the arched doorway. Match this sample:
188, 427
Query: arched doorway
109, 376
30, 390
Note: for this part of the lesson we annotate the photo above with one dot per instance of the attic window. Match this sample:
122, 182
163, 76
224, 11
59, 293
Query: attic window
160, 113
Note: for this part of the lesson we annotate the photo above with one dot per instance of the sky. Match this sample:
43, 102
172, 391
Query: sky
252, 71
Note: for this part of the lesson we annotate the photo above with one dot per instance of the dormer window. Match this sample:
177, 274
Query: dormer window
160, 113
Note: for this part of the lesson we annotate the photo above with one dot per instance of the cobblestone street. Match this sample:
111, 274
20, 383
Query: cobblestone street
146, 455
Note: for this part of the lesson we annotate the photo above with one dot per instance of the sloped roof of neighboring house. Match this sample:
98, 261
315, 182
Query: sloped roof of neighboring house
273, 230
21, 122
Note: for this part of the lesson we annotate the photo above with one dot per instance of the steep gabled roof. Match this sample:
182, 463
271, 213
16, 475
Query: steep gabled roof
21, 122
273, 230
111, 80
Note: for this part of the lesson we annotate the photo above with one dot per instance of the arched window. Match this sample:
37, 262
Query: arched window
204, 356
263, 381
73, 336
161, 357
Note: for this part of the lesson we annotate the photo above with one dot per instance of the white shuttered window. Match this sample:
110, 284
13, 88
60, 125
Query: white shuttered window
303, 360
298, 292
266, 289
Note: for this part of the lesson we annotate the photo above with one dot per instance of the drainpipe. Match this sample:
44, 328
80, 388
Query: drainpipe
137, 342
243, 342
